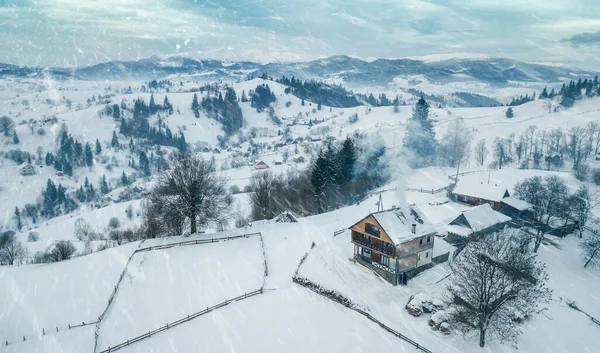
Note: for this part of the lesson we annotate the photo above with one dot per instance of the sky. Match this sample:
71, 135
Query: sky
83, 32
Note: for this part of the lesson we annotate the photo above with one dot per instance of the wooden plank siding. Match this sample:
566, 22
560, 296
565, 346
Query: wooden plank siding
476, 201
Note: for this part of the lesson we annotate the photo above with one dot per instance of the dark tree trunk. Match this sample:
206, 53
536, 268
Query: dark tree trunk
193, 222
481, 337
591, 257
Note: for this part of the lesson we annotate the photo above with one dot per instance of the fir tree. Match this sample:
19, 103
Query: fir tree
195, 104
144, 163
18, 218
131, 145
544, 93
152, 105
116, 112
302, 102
15, 138
114, 142
124, 180
346, 157
244, 98
104, 189
319, 106
98, 147
89, 157
509, 113
420, 136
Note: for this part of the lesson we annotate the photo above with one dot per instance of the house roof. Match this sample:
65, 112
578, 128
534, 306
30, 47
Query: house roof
23, 165
483, 216
397, 223
516, 203
485, 191
460, 230
440, 247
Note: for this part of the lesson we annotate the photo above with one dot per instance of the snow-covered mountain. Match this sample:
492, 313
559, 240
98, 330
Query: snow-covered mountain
353, 71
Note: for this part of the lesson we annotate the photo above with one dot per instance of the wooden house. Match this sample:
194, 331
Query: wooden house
474, 222
260, 165
496, 196
26, 169
397, 244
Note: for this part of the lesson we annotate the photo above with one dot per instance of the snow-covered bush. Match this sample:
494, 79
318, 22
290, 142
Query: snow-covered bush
581, 171
33, 236
63, 250
596, 176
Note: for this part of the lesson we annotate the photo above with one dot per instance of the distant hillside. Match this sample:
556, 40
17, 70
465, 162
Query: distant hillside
495, 71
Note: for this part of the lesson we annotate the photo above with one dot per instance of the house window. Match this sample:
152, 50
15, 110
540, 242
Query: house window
372, 229
421, 241
426, 255
492, 204
385, 261
429, 238
465, 198
419, 257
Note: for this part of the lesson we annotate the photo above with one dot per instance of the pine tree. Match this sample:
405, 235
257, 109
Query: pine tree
346, 157
319, 106
144, 163
98, 147
152, 105
89, 157
18, 218
509, 113
544, 93
124, 179
114, 142
116, 112
195, 104
15, 138
104, 189
131, 145
244, 98
302, 102
420, 136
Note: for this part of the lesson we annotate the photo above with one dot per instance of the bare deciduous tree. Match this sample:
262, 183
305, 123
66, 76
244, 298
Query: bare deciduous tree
63, 250
190, 188
262, 197
83, 230
481, 152
456, 143
496, 283
12, 251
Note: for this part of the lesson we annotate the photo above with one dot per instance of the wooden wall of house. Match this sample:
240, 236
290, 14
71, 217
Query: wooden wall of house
360, 227
476, 201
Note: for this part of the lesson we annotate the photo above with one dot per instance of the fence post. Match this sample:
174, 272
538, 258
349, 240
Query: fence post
43, 332
56, 328
69, 326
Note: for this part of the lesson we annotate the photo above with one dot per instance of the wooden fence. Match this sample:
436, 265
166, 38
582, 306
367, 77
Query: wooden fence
181, 321
53, 330
369, 316
429, 191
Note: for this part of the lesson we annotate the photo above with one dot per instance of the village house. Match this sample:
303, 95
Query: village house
397, 244
26, 169
298, 159
496, 196
473, 222
260, 165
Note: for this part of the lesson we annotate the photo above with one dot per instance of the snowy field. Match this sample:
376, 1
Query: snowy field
36, 297
163, 286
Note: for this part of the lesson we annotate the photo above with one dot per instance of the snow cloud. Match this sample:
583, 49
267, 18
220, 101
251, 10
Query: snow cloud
83, 32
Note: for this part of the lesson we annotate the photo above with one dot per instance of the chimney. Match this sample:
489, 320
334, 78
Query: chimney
414, 228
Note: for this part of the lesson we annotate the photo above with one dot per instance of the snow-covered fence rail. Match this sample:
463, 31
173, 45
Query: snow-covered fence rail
429, 191
338, 232
262, 245
182, 320
572, 305
55, 329
340, 299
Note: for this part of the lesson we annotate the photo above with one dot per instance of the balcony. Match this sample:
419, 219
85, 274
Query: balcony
367, 243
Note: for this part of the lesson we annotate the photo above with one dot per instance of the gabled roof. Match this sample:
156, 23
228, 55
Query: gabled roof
482, 217
516, 203
491, 192
23, 165
397, 223
459, 230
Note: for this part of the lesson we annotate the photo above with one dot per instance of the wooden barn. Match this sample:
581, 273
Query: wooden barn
397, 244
497, 197
473, 222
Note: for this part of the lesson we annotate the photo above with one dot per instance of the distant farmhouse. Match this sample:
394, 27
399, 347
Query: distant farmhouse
497, 197
475, 221
260, 165
397, 244
26, 169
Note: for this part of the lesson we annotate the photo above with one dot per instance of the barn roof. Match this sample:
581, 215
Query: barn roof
491, 192
516, 203
483, 216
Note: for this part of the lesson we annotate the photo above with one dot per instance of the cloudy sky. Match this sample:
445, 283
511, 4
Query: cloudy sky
84, 32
